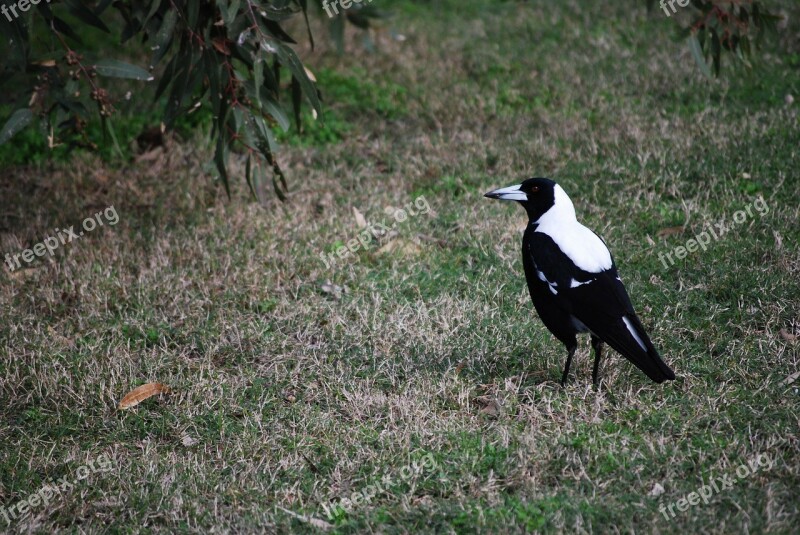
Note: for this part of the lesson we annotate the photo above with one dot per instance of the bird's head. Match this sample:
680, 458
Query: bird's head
539, 196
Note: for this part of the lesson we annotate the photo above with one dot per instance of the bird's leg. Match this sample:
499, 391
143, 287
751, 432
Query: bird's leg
569, 361
597, 345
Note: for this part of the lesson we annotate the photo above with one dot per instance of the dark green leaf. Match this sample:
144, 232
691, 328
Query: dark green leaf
276, 72
744, 45
278, 32
221, 161
297, 98
153, 10
119, 69
74, 106
189, 77
280, 192
102, 6
109, 128
247, 176
716, 51
697, 54
266, 140
337, 33
213, 69
276, 111
258, 78
18, 120
304, 7
17, 39
289, 58
62, 27
166, 77
163, 38
192, 13
231, 12
86, 15
277, 13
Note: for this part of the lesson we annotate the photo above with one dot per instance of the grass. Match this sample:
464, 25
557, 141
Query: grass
287, 395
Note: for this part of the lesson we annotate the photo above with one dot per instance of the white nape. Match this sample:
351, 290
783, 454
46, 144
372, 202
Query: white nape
583, 247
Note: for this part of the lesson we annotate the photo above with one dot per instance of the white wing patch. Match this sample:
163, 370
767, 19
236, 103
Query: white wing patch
552, 285
633, 332
575, 284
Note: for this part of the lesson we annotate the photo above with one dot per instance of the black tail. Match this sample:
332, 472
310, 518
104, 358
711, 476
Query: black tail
625, 342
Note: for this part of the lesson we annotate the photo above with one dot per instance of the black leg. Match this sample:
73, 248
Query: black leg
569, 361
597, 345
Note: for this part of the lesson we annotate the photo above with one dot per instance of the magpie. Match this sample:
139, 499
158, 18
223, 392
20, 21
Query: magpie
573, 281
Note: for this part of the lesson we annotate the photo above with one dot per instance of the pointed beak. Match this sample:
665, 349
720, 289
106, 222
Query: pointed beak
511, 193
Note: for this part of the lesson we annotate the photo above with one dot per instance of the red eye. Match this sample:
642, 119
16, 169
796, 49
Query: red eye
535, 189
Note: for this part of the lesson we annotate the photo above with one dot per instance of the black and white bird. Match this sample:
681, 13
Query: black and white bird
573, 280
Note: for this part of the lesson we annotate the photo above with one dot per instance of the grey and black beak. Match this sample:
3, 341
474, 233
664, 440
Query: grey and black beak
511, 193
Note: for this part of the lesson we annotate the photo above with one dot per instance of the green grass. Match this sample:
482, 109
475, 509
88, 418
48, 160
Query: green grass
287, 395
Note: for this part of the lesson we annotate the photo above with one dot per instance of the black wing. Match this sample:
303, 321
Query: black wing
600, 302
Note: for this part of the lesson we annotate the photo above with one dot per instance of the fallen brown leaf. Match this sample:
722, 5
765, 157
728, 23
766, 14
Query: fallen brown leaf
492, 409
669, 231
792, 378
405, 247
141, 393
786, 335
24, 274
778, 240
150, 155
437, 241
334, 290
188, 441
316, 522
361, 221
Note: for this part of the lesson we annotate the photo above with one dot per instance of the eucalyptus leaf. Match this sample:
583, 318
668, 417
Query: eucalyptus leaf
18, 121
697, 54
85, 14
119, 69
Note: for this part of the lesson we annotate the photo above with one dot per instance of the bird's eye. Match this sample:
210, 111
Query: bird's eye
534, 189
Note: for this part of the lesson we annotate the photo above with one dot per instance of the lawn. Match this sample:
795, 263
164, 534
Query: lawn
413, 377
